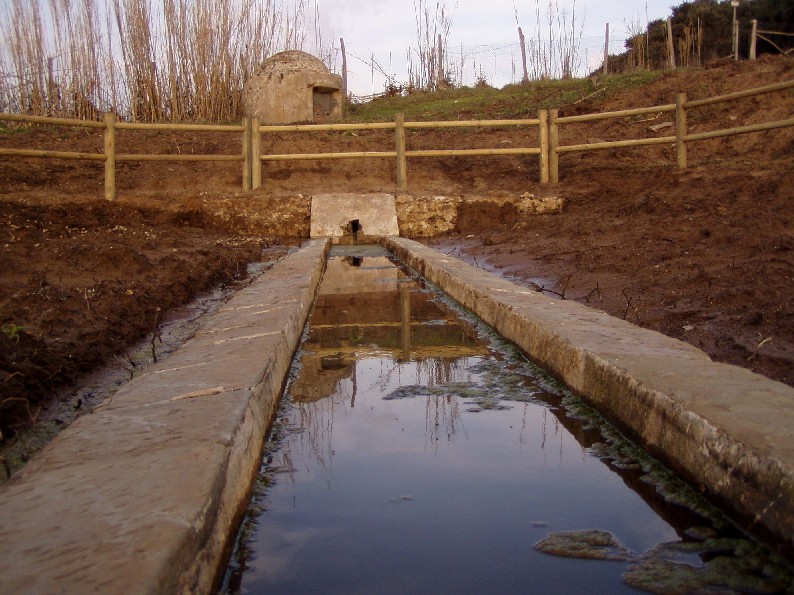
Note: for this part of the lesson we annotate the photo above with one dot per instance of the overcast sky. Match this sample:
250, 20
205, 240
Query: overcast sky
384, 27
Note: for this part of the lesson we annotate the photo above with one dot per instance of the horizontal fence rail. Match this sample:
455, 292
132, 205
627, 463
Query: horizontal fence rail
52, 154
616, 144
312, 156
640, 111
548, 147
401, 153
682, 135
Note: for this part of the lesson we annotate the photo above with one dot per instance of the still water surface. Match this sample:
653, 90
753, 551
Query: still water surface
417, 452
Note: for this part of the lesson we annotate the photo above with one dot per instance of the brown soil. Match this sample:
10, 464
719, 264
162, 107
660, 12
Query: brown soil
704, 254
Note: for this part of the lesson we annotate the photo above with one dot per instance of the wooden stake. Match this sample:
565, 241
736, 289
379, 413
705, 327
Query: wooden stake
256, 154
402, 165
753, 39
554, 141
247, 155
543, 131
680, 130
606, 51
670, 45
344, 73
525, 78
110, 156
440, 81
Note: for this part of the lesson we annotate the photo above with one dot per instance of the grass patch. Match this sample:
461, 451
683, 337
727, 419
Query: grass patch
511, 102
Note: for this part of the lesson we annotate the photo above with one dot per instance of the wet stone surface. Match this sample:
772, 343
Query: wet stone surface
417, 451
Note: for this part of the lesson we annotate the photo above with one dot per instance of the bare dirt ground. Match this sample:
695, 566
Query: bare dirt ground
705, 254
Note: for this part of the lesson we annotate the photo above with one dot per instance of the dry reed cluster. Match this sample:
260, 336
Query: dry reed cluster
427, 62
146, 60
554, 51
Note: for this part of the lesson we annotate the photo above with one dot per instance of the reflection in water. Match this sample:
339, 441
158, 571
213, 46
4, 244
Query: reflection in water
418, 452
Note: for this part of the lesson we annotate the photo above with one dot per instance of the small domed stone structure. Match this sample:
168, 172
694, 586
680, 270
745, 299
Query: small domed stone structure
290, 87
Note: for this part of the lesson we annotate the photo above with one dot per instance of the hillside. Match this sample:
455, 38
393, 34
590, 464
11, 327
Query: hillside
703, 254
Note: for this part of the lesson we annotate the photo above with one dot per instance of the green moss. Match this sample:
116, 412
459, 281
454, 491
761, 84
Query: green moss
728, 565
593, 544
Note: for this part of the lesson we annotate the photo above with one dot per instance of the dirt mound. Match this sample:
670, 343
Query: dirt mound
82, 281
474, 217
702, 255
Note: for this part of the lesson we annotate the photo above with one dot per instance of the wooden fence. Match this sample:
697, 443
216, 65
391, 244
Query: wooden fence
548, 148
682, 135
757, 34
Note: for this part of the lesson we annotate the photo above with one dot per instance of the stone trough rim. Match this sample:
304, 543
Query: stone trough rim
749, 471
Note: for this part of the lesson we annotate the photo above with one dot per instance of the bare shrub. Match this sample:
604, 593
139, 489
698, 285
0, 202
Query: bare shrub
637, 43
427, 64
555, 49
146, 60
690, 45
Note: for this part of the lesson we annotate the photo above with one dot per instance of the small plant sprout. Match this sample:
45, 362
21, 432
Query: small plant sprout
12, 331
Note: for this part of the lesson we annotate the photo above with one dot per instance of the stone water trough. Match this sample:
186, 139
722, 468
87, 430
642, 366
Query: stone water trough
145, 494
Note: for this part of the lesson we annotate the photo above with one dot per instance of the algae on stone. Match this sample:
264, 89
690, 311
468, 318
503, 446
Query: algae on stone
593, 544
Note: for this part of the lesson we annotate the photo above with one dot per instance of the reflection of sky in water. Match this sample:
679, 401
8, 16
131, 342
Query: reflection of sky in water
433, 494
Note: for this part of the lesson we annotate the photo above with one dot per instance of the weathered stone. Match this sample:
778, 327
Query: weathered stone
144, 494
724, 428
293, 86
592, 544
353, 215
661, 126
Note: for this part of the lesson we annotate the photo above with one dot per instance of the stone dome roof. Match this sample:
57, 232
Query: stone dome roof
291, 61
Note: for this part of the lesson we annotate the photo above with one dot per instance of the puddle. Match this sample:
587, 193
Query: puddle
416, 451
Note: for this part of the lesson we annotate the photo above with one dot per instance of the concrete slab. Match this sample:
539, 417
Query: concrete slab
724, 428
144, 494
332, 214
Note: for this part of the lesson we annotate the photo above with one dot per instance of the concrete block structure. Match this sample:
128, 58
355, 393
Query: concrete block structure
292, 87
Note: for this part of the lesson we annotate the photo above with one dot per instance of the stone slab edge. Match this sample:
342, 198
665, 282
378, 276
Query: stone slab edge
331, 214
144, 494
725, 429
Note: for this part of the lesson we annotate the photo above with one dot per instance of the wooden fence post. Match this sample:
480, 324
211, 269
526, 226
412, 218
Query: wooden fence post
110, 156
753, 39
680, 129
554, 141
246, 154
525, 77
402, 166
440, 72
256, 154
670, 44
606, 51
543, 131
344, 74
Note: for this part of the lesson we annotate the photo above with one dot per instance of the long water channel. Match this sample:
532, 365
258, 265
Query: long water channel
416, 451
